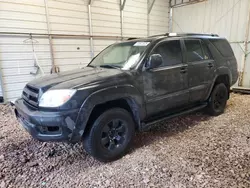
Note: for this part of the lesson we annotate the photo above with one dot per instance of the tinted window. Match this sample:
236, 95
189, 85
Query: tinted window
170, 52
194, 50
223, 47
206, 51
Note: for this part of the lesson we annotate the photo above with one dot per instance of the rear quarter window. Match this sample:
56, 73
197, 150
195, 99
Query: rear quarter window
223, 47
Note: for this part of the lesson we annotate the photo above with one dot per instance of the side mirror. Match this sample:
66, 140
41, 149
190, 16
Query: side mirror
155, 60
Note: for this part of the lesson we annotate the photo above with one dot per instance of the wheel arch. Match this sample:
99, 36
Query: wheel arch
126, 103
125, 96
225, 78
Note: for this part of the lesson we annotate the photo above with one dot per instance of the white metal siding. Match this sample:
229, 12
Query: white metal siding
106, 18
17, 62
71, 53
159, 18
16, 57
228, 18
22, 16
1, 84
135, 10
66, 17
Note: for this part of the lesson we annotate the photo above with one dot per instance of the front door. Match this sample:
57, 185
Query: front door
166, 87
201, 69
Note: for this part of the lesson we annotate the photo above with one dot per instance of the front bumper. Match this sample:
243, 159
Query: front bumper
46, 126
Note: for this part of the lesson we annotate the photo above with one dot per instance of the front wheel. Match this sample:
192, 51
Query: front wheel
110, 135
218, 100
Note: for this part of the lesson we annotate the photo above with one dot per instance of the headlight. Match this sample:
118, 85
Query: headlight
56, 98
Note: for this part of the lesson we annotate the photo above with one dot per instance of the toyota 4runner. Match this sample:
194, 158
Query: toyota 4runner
127, 87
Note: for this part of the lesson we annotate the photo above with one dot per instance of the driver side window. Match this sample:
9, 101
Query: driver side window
170, 52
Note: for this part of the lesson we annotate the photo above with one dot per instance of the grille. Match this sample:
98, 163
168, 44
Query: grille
31, 95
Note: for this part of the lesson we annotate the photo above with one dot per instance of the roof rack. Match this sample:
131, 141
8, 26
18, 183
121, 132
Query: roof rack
192, 34
185, 34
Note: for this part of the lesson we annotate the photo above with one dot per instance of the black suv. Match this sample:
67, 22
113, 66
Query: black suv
129, 86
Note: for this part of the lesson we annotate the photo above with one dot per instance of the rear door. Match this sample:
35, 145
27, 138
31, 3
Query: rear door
201, 69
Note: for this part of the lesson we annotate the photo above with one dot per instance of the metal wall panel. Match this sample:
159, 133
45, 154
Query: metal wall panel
110, 23
1, 83
66, 17
71, 53
17, 62
228, 18
16, 16
137, 10
225, 17
16, 56
159, 18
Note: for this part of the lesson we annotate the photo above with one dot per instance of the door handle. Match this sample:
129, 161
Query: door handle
210, 65
183, 69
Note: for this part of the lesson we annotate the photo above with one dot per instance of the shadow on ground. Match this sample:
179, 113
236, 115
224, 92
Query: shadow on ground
169, 128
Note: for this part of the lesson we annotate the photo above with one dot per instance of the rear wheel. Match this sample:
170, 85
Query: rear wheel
218, 100
110, 135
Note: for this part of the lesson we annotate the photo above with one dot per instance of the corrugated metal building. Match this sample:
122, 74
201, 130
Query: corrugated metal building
228, 18
63, 19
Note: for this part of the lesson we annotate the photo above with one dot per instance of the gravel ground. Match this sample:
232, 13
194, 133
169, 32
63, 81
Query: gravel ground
191, 151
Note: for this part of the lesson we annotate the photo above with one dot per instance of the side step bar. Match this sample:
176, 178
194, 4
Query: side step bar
243, 90
147, 125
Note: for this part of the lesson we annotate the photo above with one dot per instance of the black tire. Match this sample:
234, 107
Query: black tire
218, 100
110, 135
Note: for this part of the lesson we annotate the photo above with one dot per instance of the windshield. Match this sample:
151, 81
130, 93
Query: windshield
122, 55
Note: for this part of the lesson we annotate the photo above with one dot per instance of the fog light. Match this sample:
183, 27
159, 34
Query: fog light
53, 129
48, 129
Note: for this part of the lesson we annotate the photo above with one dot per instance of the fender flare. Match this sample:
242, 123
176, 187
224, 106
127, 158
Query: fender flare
220, 71
128, 92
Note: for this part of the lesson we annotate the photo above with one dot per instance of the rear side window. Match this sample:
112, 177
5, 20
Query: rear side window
194, 51
223, 47
170, 52
206, 51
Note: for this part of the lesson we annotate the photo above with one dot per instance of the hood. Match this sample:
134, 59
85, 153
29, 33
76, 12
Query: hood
78, 78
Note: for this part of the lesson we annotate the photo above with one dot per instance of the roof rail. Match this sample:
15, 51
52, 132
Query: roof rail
192, 34
132, 38
185, 34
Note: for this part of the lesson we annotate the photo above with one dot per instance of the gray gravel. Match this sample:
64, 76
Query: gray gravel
192, 151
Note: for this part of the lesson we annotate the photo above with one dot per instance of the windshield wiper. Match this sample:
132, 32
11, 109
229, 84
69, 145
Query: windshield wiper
91, 66
110, 66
